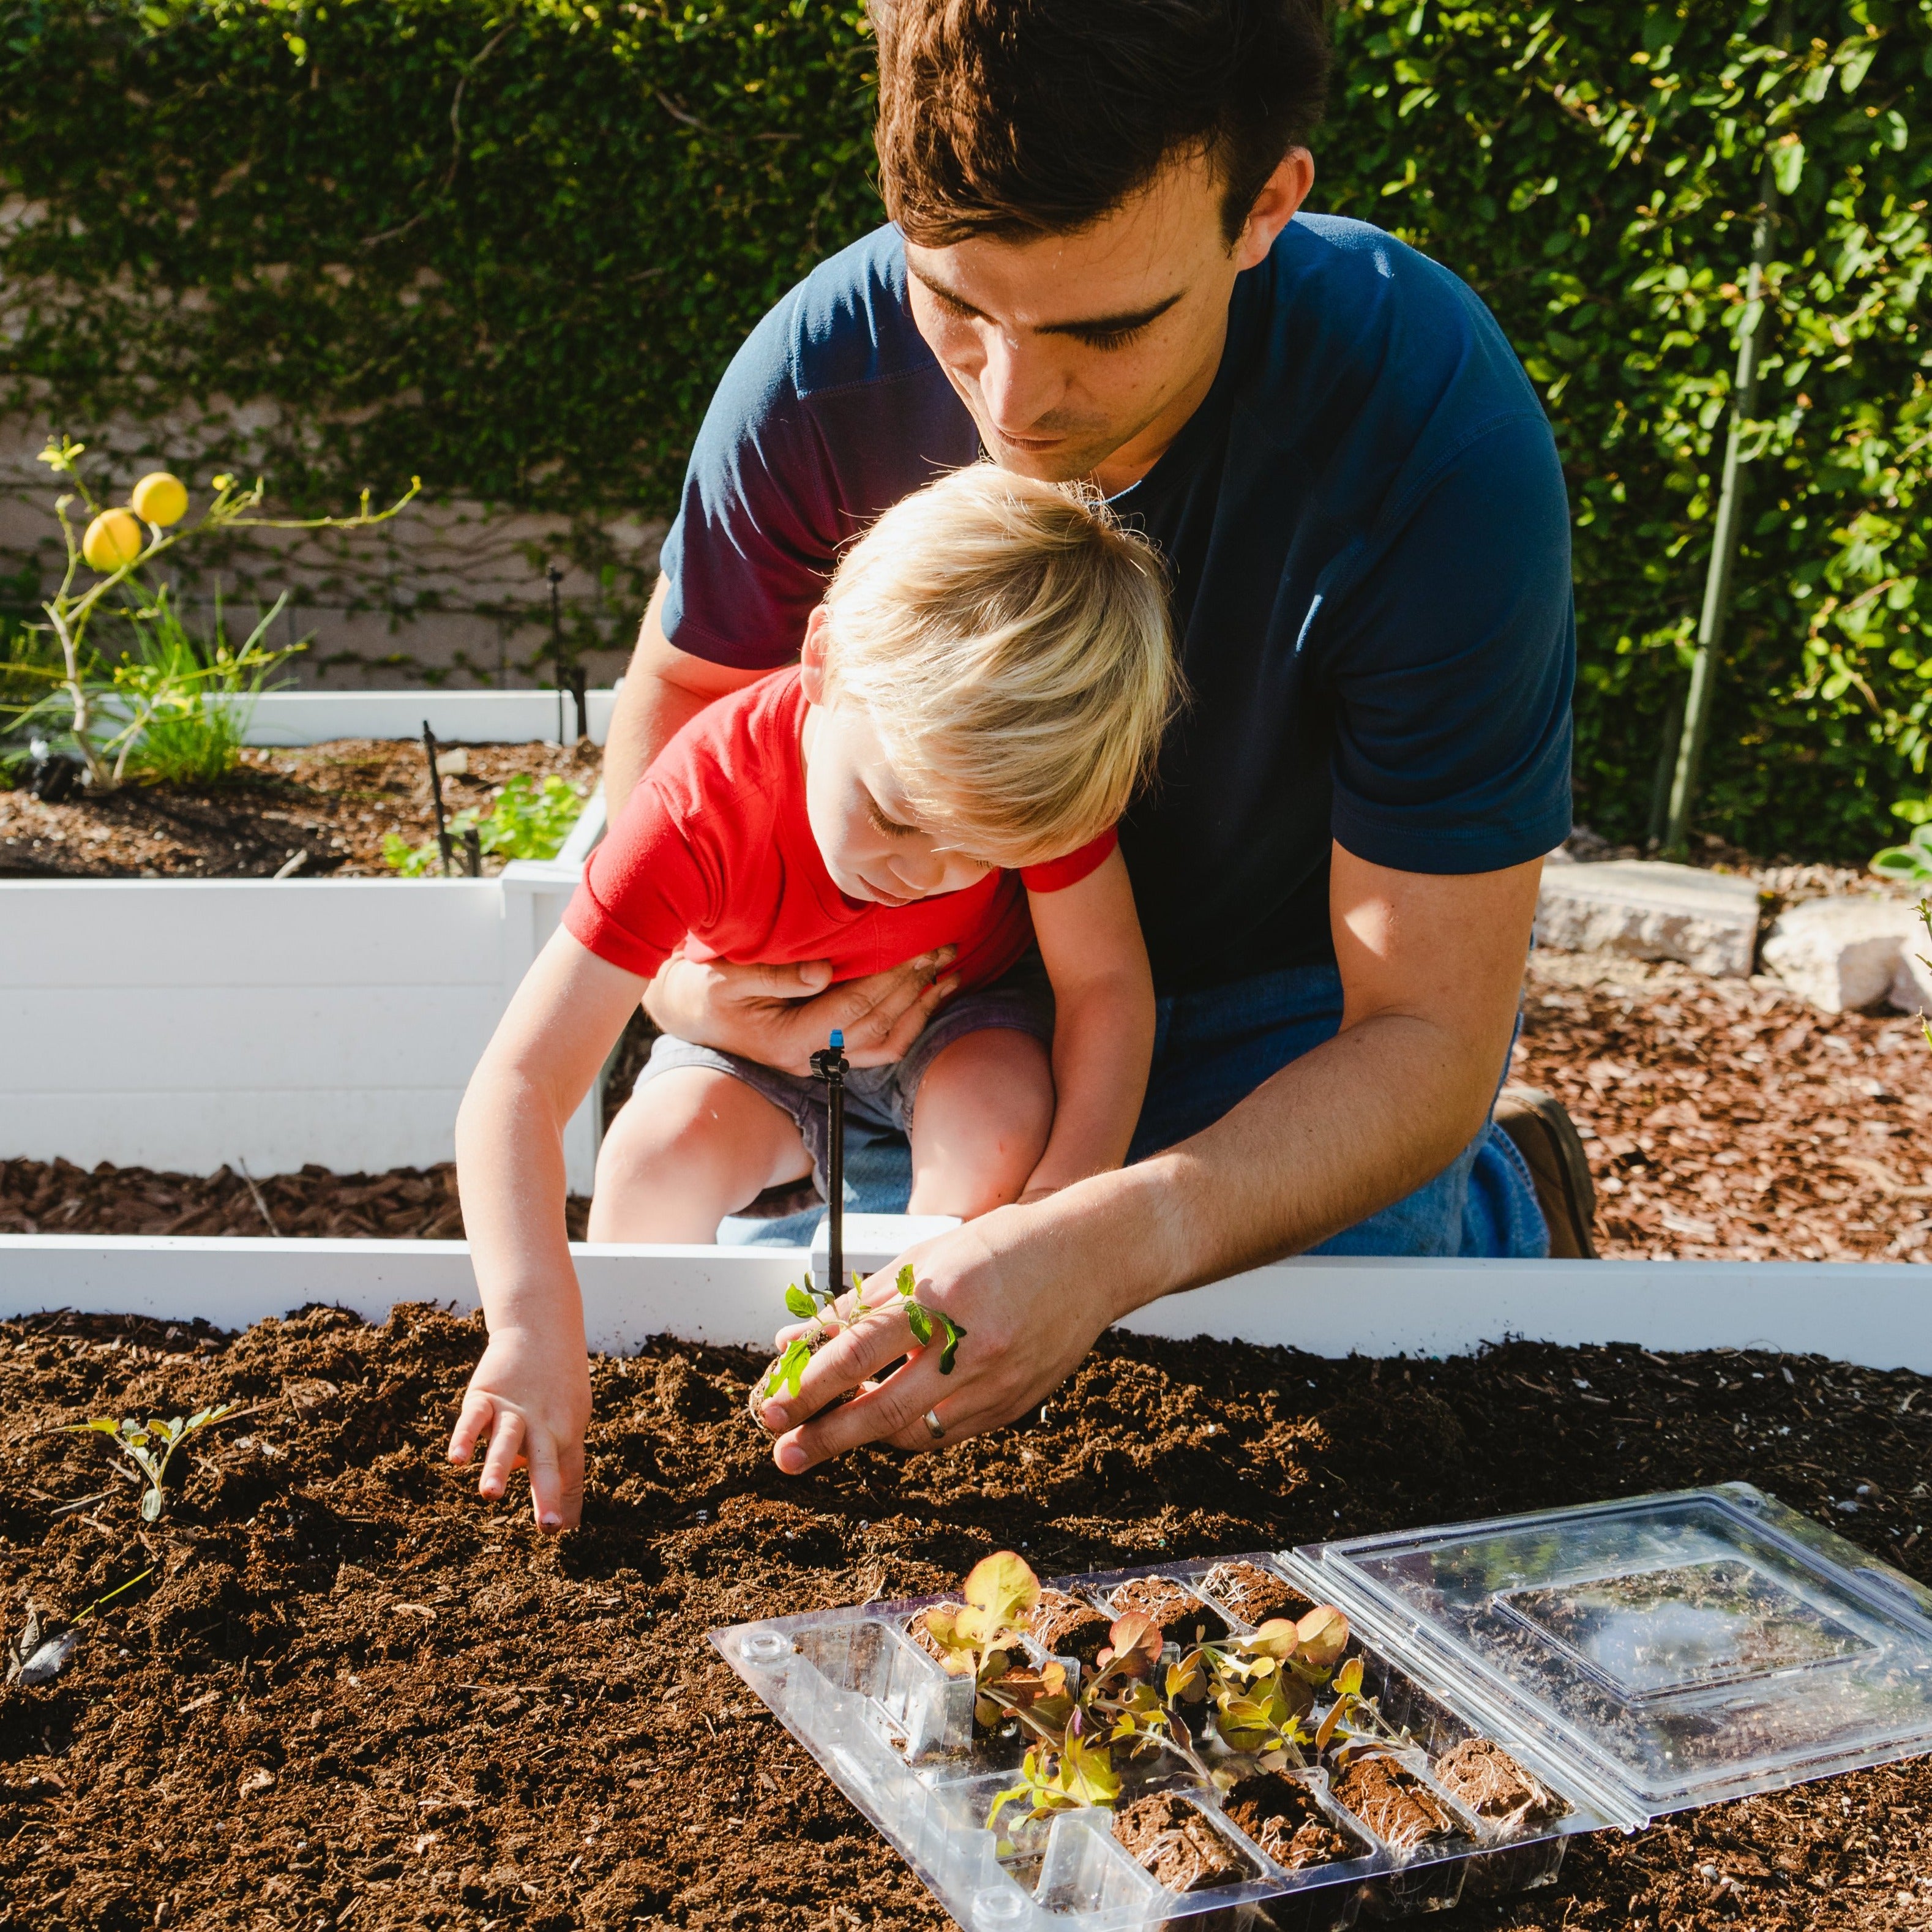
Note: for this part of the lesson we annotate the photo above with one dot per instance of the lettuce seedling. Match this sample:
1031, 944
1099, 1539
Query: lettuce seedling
820, 1308
984, 1638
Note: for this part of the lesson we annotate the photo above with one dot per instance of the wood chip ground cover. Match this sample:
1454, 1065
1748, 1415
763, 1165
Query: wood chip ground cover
333, 801
354, 1695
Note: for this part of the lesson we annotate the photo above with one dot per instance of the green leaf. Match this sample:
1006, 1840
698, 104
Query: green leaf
954, 1335
905, 1283
784, 1378
919, 1322
150, 1504
800, 1303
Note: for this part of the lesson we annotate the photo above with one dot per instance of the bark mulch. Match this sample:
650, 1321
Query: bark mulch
1724, 1119
1728, 1120
351, 1694
333, 802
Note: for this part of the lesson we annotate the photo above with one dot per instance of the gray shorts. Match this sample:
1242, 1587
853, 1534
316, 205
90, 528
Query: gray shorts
882, 1097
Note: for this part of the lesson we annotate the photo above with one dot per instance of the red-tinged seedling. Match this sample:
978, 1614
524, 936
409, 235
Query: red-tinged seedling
821, 1309
1262, 1686
984, 1638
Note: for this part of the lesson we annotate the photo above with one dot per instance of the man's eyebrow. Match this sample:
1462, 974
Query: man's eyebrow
1122, 324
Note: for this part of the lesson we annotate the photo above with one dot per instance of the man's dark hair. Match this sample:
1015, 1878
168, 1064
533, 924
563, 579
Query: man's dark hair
1013, 118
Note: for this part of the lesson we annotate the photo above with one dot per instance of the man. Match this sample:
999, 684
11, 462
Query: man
1096, 271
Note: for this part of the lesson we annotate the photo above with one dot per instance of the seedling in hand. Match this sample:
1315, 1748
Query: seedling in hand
151, 1445
820, 1309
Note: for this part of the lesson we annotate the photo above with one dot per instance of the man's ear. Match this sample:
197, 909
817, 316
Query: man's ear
811, 654
1275, 207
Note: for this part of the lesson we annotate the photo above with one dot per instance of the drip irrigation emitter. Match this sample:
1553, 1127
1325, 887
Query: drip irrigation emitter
830, 1065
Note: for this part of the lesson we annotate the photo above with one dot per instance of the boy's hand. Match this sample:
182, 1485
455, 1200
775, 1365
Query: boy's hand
780, 1015
529, 1404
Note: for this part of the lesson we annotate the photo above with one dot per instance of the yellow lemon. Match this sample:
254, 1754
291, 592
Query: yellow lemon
159, 498
113, 539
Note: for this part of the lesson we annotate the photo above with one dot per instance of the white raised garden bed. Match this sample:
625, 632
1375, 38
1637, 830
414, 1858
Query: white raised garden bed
1876, 1314
190, 1024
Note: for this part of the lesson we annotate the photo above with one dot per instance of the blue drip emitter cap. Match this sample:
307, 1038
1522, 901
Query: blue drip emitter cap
838, 1039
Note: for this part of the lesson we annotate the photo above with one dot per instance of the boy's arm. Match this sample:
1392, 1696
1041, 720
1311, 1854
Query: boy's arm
529, 1399
1089, 939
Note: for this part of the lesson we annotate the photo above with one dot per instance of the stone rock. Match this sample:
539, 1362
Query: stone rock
1649, 909
1912, 983
1839, 953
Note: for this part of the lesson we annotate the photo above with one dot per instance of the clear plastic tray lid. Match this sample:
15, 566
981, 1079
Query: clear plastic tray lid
1671, 1650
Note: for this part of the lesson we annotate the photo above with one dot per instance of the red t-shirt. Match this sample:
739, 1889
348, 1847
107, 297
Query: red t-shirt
713, 856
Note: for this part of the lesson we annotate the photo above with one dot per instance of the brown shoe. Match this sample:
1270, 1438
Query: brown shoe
1546, 1138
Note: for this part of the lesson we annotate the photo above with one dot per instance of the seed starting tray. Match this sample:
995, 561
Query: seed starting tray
1638, 1658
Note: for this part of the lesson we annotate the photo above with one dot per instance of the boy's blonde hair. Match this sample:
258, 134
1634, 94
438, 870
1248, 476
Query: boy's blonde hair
1008, 640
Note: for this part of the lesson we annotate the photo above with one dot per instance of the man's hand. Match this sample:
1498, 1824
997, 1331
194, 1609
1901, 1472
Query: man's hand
1431, 967
1028, 1320
529, 1404
780, 1015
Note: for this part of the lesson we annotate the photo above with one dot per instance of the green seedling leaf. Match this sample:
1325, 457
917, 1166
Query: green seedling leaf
800, 1303
786, 1371
954, 1335
1349, 1678
919, 1322
905, 1283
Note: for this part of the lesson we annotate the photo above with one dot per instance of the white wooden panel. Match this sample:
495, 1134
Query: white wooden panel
456, 717
300, 1039
1876, 1314
244, 932
366, 1129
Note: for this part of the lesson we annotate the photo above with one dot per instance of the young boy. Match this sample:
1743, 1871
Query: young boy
981, 693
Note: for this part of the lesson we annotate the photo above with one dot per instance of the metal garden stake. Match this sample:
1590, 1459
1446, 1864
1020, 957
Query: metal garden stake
444, 843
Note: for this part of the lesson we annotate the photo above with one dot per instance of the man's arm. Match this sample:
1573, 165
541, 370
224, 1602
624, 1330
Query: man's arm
665, 689
1432, 968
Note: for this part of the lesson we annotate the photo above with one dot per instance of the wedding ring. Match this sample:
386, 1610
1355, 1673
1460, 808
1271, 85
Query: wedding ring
934, 1427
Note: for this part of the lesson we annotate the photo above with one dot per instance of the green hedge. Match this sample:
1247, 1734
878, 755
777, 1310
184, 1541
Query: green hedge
510, 243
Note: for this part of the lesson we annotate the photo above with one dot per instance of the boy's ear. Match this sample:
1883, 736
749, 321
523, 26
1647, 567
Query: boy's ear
811, 655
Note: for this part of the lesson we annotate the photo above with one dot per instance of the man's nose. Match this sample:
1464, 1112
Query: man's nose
1018, 382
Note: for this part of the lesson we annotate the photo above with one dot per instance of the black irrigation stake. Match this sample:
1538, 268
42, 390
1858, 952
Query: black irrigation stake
577, 682
830, 1064
556, 577
472, 852
442, 839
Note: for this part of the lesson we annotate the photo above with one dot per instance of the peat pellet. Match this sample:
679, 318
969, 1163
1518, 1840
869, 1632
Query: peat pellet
1069, 1626
1484, 1777
1283, 1818
1180, 1615
1395, 1805
1176, 1845
1255, 1594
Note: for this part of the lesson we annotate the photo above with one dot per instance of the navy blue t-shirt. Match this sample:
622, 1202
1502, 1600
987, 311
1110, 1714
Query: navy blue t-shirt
1369, 544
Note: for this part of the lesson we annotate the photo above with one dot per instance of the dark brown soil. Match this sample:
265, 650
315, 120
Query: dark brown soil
1178, 1614
1069, 1626
1485, 1779
1393, 1802
1174, 1841
335, 801
57, 1198
1283, 1819
1255, 1594
463, 1724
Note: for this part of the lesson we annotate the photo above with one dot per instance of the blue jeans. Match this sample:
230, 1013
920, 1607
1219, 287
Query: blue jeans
1211, 1050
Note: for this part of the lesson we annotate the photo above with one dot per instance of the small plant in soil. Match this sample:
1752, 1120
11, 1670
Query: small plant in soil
101, 711
1261, 1687
37, 1656
818, 1307
150, 1445
524, 823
